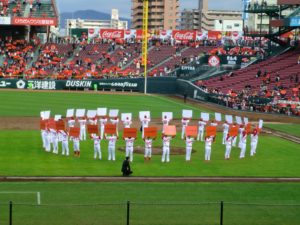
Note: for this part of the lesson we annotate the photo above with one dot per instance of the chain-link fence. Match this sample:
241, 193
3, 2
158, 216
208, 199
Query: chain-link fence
139, 213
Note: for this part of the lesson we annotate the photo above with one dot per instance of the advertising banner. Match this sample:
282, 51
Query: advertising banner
112, 34
18, 21
184, 35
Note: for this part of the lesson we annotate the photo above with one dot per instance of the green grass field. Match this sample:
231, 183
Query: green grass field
293, 129
179, 203
31, 103
152, 203
275, 158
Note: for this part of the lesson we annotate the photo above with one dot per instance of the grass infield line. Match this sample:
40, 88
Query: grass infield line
38, 194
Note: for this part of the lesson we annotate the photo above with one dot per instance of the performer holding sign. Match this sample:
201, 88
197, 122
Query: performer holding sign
186, 116
65, 142
201, 129
166, 117
211, 132
110, 135
170, 132
225, 132
228, 144
74, 136
150, 134
145, 119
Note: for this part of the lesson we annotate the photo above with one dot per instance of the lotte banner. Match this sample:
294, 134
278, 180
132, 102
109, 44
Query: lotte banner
184, 35
112, 34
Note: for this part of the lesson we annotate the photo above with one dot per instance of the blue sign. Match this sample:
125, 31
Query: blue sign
295, 22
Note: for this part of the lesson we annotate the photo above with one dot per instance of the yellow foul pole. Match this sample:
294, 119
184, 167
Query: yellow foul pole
145, 41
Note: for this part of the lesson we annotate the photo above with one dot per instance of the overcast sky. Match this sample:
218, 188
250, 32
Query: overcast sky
124, 6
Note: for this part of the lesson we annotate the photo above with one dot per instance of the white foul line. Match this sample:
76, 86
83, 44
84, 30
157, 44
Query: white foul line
38, 194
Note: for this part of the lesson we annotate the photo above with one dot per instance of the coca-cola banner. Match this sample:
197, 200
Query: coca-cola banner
184, 35
112, 34
214, 35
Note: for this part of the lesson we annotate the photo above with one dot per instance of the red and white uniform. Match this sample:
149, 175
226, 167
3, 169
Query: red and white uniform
243, 144
228, 144
76, 144
189, 146
64, 142
71, 122
129, 148
148, 147
97, 146
112, 147
54, 140
185, 123
254, 142
82, 124
201, 126
225, 132
93, 121
241, 130
208, 143
166, 149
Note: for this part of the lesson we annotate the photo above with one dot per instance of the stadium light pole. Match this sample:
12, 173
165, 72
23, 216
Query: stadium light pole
145, 41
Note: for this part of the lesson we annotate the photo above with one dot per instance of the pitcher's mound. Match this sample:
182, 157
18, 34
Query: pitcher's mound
157, 150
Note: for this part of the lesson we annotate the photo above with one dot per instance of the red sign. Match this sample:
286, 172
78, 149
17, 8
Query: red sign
214, 60
34, 21
112, 34
184, 35
214, 35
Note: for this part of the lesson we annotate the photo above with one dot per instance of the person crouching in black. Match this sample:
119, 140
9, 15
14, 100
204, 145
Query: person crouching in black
126, 168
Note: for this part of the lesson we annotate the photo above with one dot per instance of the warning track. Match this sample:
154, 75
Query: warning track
153, 179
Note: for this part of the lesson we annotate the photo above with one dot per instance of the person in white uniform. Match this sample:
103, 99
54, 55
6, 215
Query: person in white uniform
225, 132
241, 130
145, 123
71, 122
243, 144
166, 148
148, 148
76, 146
102, 121
97, 146
185, 123
47, 140
208, 144
93, 121
254, 142
82, 124
189, 146
65, 142
201, 126
54, 141
112, 147
228, 144
129, 147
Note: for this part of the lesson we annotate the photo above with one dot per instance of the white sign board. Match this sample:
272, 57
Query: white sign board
5, 20
187, 113
46, 115
246, 120
101, 111
167, 115
228, 119
238, 120
218, 117
204, 116
113, 112
144, 114
80, 112
70, 113
57, 117
126, 116
91, 113
260, 124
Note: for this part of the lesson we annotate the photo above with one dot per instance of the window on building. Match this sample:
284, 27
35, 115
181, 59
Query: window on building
229, 27
236, 25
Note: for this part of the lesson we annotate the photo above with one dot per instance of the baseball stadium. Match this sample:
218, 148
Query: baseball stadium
150, 125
